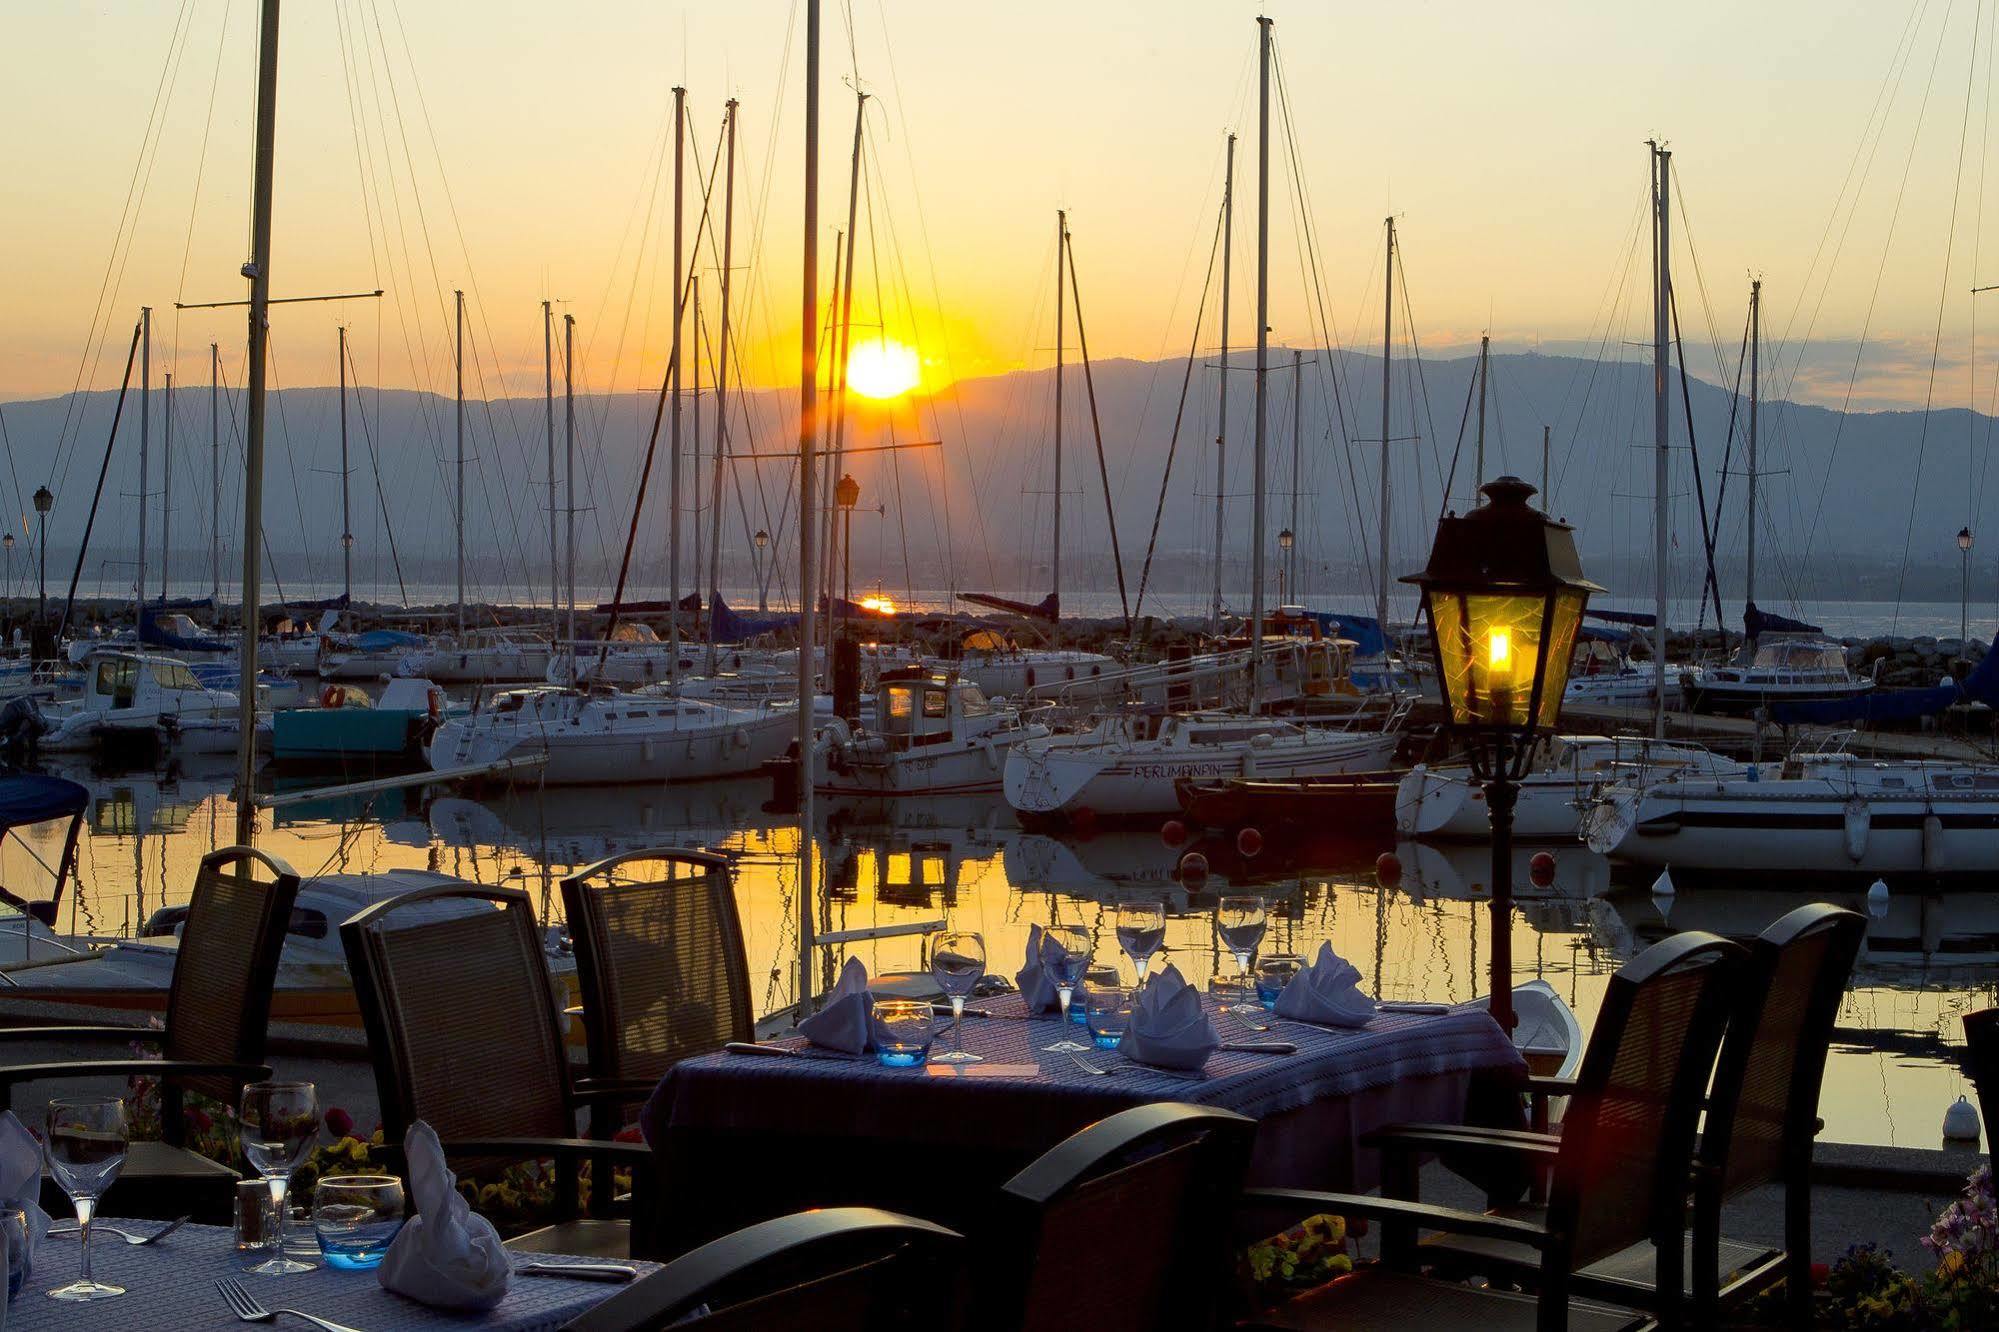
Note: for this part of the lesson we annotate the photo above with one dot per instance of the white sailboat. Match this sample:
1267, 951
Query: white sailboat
932, 735
1569, 774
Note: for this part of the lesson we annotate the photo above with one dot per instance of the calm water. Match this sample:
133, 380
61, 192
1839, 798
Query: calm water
1928, 960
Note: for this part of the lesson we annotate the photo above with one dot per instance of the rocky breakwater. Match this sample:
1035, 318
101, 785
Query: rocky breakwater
1913, 663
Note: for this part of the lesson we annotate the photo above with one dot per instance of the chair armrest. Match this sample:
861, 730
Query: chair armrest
152, 1034
104, 1068
1426, 1216
1544, 1086
612, 1089
633, 1152
1456, 1138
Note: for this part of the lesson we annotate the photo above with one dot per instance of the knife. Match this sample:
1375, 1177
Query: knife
944, 1010
1261, 1047
750, 1048
580, 1271
1395, 1006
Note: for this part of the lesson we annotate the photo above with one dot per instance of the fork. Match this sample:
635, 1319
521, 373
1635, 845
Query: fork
245, 1307
1088, 1067
98, 1227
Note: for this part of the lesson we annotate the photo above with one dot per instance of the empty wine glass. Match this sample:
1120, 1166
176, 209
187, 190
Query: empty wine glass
957, 964
1141, 932
1241, 921
280, 1121
86, 1150
1065, 954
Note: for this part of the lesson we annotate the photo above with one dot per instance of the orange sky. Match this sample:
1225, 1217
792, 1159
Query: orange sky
514, 150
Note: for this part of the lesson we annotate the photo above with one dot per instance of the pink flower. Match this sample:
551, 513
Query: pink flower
339, 1123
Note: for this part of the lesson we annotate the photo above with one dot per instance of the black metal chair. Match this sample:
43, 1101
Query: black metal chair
1618, 1169
464, 1023
1761, 1119
660, 963
844, 1269
1124, 1225
1981, 1041
219, 1003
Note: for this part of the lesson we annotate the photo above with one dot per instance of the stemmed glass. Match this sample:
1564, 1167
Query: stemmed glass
957, 964
280, 1121
1141, 932
1241, 921
1065, 954
86, 1150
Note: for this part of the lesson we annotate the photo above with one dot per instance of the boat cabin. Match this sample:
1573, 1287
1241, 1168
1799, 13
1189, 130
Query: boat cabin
124, 680
1790, 661
914, 710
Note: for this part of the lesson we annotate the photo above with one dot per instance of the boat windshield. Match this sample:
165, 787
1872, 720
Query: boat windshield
1793, 655
174, 675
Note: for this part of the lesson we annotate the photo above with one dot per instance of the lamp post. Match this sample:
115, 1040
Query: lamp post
1504, 594
44, 501
1284, 543
1964, 586
762, 541
7, 541
848, 493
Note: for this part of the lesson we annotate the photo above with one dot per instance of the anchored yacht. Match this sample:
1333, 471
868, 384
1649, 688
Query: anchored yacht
603, 736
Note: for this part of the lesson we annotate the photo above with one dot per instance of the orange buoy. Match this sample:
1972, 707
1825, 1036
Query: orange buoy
1388, 869
1173, 833
1248, 843
1193, 870
1541, 869
332, 696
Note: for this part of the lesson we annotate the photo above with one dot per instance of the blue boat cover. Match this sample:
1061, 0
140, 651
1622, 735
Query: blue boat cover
1981, 686
386, 640
1755, 622
1048, 608
152, 635
31, 797
726, 626
1622, 617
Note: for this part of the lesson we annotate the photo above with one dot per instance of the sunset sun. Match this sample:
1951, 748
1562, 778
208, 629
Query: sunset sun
882, 369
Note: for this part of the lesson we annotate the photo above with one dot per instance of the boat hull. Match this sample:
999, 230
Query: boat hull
1822, 834
1124, 782
595, 758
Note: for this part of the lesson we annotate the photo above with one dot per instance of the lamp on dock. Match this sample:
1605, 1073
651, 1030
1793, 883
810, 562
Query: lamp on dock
1504, 594
44, 501
1964, 585
848, 492
762, 542
1284, 543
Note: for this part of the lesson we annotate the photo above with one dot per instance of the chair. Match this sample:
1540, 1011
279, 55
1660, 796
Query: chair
1981, 1041
1618, 1169
218, 1004
1123, 1225
843, 1269
1762, 1115
464, 1025
660, 963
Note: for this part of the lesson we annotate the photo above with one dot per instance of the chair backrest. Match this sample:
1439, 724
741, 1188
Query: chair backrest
1981, 1040
1627, 1139
840, 1269
1125, 1225
659, 959
460, 1013
219, 1004
1763, 1108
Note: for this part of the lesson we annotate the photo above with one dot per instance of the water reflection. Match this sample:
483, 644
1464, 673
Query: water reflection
882, 865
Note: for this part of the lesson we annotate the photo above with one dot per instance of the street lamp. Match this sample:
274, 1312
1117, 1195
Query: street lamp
761, 541
847, 492
1284, 542
44, 501
1964, 584
1504, 594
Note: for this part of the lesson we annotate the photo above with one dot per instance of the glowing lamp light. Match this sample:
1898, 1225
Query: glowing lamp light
883, 369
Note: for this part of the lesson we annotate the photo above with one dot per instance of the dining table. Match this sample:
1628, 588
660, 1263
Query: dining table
740, 1137
172, 1284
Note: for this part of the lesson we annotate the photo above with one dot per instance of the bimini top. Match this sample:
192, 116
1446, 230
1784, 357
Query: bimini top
29, 797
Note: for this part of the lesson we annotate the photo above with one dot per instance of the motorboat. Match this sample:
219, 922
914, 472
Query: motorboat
1127, 763
1824, 812
349, 722
932, 735
1567, 774
139, 697
1603, 673
1786, 669
600, 735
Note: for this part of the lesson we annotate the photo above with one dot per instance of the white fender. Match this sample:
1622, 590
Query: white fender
1933, 849
991, 752
1858, 820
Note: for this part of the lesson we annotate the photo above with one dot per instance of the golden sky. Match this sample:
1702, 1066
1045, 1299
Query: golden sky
510, 148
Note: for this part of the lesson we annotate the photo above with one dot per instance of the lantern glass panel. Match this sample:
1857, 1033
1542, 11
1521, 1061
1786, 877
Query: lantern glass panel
1490, 646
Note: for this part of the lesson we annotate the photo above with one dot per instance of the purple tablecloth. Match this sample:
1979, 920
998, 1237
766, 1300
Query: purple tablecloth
832, 1129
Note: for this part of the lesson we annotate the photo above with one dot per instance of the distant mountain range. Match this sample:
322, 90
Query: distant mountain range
1840, 495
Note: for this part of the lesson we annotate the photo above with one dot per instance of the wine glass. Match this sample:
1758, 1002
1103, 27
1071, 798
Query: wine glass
1141, 932
957, 964
1065, 954
280, 1121
86, 1150
1241, 921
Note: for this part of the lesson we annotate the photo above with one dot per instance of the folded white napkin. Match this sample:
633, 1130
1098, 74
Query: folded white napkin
21, 1184
447, 1256
1037, 987
1168, 1027
1326, 991
847, 1022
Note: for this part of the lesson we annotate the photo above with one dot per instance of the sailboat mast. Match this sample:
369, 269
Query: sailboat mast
808, 386
1297, 442
167, 489
1262, 363
843, 346
1222, 407
673, 440
548, 413
1662, 287
1061, 252
458, 510
253, 444
1755, 350
214, 474
722, 381
569, 463
1484, 373
145, 466
1547, 487
1387, 332
346, 516
694, 437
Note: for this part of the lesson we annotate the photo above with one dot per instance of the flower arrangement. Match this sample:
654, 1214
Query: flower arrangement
1309, 1254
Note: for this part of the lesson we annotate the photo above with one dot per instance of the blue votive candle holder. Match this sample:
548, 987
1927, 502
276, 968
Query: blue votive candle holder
903, 1032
